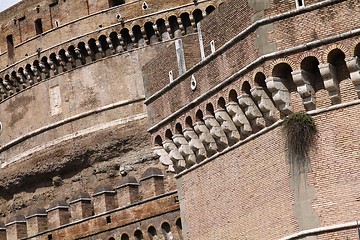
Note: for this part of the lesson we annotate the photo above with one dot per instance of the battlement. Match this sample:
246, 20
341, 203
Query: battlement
124, 207
96, 95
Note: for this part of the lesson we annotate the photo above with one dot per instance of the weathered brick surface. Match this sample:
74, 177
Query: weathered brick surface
166, 58
127, 220
246, 51
246, 193
166, 61
316, 25
243, 194
86, 16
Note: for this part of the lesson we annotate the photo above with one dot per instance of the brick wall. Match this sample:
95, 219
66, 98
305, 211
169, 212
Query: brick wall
243, 194
248, 193
245, 51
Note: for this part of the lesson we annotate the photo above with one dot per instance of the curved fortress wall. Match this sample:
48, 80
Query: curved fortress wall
222, 130
72, 104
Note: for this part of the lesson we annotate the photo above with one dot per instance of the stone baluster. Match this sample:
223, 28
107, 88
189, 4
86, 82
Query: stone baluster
134, 44
145, 37
53, 67
70, 60
127, 191
353, 64
121, 46
36, 221
227, 125
184, 149
22, 79
166, 35
205, 137
80, 206
195, 144
280, 94
164, 157
111, 49
90, 53
303, 80
7, 86
80, 58
331, 83
45, 72
265, 104
152, 183
13, 82
216, 131
181, 26
100, 53
104, 199
62, 63
177, 159
3, 92
156, 37
251, 111
29, 77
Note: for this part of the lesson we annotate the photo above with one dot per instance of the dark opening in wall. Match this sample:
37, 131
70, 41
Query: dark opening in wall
108, 219
113, 3
138, 235
209, 9
125, 237
300, 3
53, 3
10, 46
38, 26
50, 237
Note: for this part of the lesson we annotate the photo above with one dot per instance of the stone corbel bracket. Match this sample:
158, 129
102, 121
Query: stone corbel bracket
303, 80
353, 64
331, 83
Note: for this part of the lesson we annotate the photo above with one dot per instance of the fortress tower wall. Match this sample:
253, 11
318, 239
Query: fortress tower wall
81, 24
247, 47
252, 192
72, 112
155, 216
224, 136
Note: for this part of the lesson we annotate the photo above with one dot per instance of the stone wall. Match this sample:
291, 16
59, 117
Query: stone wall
243, 54
251, 193
72, 94
129, 208
59, 31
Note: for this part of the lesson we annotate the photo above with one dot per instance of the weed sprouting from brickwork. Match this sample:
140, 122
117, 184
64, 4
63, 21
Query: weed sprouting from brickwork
300, 135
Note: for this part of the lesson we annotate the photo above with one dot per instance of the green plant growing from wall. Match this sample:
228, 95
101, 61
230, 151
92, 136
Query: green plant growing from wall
300, 135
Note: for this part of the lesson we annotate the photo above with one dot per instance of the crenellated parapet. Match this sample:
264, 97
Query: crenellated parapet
117, 205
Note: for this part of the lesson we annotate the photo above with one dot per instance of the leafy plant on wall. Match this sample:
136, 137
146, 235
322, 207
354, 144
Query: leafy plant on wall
300, 136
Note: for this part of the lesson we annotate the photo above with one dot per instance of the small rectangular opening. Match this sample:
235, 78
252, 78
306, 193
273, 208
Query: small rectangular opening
38, 27
300, 3
50, 237
212, 46
171, 76
113, 3
10, 46
108, 219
